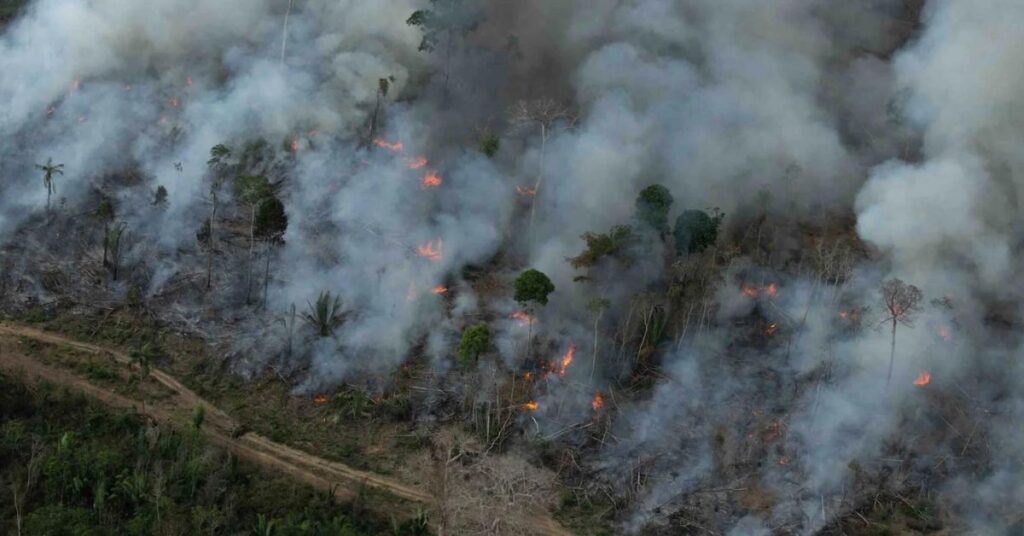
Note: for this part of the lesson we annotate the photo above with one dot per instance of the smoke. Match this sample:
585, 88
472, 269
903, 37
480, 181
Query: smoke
782, 113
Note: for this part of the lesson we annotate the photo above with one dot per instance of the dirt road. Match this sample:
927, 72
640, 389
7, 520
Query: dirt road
218, 426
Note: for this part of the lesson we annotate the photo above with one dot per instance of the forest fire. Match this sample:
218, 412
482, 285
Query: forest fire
431, 180
431, 250
598, 402
923, 379
531, 406
396, 146
294, 146
528, 192
523, 317
770, 330
419, 162
770, 290
563, 364
439, 290
321, 399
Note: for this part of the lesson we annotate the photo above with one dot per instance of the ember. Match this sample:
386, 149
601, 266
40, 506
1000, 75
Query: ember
923, 379
531, 406
321, 399
523, 190
419, 162
397, 146
771, 291
770, 330
439, 290
431, 180
598, 402
523, 317
563, 364
431, 250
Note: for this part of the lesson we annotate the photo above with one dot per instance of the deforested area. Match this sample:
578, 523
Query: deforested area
531, 266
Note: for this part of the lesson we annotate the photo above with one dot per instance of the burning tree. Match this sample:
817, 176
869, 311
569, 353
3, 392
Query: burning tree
652, 206
475, 341
901, 301
50, 169
532, 287
544, 113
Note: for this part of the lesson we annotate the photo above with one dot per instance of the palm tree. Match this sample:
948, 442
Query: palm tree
50, 169
325, 315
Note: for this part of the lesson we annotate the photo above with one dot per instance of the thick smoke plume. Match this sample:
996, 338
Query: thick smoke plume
786, 115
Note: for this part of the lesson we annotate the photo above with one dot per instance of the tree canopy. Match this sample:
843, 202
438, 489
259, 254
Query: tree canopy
601, 245
475, 341
533, 286
652, 207
696, 230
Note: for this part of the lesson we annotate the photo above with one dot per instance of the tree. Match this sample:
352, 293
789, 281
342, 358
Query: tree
597, 306
383, 86
489, 144
217, 164
475, 341
252, 191
160, 197
50, 169
696, 230
115, 243
544, 113
326, 315
271, 224
532, 286
105, 213
599, 246
652, 207
445, 20
901, 302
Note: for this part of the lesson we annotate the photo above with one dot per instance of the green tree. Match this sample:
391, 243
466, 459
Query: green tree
601, 245
475, 341
49, 170
489, 144
696, 230
532, 287
252, 191
271, 224
326, 315
446, 20
652, 207
216, 165
115, 243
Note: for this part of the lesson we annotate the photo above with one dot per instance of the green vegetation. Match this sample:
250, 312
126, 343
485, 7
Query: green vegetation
533, 286
696, 230
70, 467
652, 206
475, 341
326, 315
601, 245
490, 144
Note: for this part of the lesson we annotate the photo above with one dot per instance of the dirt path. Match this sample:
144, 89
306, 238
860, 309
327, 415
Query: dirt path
219, 428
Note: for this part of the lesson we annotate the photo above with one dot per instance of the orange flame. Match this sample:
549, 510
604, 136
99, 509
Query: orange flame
523, 317
771, 290
431, 180
784, 460
531, 406
439, 290
770, 330
523, 190
750, 292
419, 162
397, 146
563, 365
923, 379
294, 146
321, 399
528, 376
431, 250
598, 402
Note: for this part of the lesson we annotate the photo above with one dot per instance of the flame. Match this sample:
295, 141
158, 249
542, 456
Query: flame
419, 162
771, 290
294, 146
844, 315
397, 146
431, 180
321, 399
523, 317
431, 250
566, 360
531, 406
439, 290
784, 460
923, 379
945, 333
598, 402
523, 190
770, 330
528, 376
748, 291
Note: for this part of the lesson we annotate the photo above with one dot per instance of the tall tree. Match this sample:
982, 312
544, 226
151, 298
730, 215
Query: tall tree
49, 170
652, 207
597, 306
252, 191
383, 86
116, 243
544, 113
216, 165
532, 287
696, 230
442, 24
271, 224
901, 302
105, 213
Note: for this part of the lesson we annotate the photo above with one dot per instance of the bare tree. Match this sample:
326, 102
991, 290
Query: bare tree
901, 302
20, 490
50, 169
544, 113
217, 164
